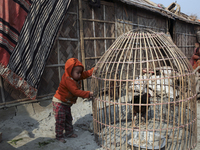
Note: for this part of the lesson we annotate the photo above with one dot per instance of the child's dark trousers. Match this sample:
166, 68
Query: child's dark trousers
63, 120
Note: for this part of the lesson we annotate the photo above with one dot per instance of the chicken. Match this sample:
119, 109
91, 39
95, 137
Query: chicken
136, 108
163, 83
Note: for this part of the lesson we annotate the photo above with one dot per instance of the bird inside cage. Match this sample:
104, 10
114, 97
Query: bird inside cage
158, 84
145, 99
141, 95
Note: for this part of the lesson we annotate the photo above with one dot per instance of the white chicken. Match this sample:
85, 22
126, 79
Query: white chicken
157, 84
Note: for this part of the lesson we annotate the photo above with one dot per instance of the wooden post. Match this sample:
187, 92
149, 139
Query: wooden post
82, 41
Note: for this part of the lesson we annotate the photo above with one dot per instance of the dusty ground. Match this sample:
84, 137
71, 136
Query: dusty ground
33, 127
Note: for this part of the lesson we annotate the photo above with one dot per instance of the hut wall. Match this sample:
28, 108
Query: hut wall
98, 32
185, 37
131, 17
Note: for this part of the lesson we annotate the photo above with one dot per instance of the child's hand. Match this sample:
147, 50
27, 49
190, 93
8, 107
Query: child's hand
95, 69
91, 94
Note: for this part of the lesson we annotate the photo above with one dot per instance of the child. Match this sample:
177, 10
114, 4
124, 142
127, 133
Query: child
66, 95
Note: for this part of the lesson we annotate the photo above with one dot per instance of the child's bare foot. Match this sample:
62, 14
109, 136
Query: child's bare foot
72, 136
61, 140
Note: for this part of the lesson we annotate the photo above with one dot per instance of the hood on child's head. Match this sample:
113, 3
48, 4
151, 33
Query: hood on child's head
70, 64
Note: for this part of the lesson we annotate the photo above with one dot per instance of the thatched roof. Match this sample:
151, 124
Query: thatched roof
148, 5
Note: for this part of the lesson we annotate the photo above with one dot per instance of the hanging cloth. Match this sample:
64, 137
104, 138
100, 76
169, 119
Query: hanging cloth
28, 58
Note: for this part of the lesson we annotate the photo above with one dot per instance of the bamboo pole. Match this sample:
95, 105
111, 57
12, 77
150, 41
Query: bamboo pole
186, 34
195, 123
115, 31
104, 27
59, 69
25, 101
2, 91
94, 109
78, 34
99, 38
184, 117
82, 40
68, 39
94, 35
105, 111
55, 65
188, 118
93, 57
146, 42
96, 20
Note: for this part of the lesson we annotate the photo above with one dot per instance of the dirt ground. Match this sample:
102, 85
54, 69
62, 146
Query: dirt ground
30, 126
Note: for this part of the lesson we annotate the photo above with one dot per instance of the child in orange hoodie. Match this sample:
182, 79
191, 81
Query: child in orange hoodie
66, 95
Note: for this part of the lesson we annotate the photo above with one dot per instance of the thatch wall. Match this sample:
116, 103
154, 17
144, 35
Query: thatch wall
88, 33
185, 37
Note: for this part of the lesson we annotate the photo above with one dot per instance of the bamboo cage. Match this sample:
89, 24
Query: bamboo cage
144, 94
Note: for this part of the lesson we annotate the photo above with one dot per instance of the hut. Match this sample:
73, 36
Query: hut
90, 28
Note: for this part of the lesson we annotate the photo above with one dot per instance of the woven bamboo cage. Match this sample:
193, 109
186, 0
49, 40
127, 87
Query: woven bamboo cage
144, 94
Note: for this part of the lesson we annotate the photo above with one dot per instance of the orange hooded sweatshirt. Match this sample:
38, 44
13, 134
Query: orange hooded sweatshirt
69, 89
